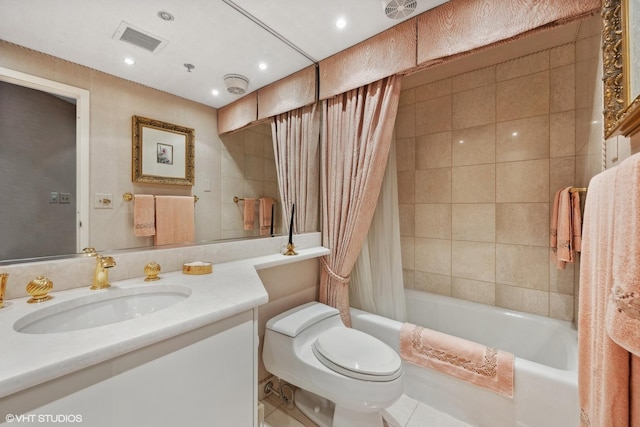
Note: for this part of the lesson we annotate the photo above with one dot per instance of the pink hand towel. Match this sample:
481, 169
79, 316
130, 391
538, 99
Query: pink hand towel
249, 213
175, 219
466, 360
566, 227
144, 211
265, 215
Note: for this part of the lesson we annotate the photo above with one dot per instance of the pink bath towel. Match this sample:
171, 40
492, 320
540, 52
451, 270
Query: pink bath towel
266, 203
144, 212
469, 361
623, 311
249, 213
566, 227
607, 374
175, 219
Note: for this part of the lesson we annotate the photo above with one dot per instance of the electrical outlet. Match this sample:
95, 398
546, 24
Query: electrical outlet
65, 198
103, 201
54, 197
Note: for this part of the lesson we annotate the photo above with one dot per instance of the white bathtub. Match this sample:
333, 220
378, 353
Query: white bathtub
546, 381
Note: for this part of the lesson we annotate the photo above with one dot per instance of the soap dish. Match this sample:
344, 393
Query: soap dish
197, 267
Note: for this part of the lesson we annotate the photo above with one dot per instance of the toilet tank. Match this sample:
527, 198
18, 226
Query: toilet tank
296, 320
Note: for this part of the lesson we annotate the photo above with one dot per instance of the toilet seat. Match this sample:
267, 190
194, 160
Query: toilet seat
357, 355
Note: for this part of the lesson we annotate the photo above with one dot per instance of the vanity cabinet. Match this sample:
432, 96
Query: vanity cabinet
204, 377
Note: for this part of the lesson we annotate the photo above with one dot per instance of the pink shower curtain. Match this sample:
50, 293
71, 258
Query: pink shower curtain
357, 130
296, 146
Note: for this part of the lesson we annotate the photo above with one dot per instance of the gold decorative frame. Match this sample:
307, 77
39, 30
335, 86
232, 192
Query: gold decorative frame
621, 112
148, 136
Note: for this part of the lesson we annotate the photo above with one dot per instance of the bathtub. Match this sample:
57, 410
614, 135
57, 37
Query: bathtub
545, 349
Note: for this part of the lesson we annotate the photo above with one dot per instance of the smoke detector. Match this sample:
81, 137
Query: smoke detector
399, 9
236, 84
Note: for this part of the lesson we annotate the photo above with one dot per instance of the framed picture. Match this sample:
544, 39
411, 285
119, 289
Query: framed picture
163, 153
621, 62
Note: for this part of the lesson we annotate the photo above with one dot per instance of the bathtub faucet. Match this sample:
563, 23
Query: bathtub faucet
101, 276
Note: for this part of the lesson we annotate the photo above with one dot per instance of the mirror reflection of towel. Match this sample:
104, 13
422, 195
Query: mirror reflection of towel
175, 219
249, 213
266, 203
144, 222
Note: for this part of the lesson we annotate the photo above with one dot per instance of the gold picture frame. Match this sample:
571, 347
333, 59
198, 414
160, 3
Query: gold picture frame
163, 153
621, 73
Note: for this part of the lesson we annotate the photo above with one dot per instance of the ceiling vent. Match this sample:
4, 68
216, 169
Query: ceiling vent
139, 38
399, 9
236, 84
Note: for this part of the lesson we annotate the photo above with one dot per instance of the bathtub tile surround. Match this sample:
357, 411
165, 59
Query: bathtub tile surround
481, 155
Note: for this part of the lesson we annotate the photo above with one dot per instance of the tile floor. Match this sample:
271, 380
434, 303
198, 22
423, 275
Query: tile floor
406, 412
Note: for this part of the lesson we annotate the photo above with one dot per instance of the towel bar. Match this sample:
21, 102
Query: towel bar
127, 197
237, 199
578, 190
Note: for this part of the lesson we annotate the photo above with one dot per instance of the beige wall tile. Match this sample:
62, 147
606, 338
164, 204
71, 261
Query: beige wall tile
408, 278
407, 219
562, 174
562, 134
522, 97
474, 222
433, 115
433, 151
407, 97
586, 92
562, 88
477, 78
407, 247
473, 290
433, 186
522, 223
474, 146
474, 107
433, 220
254, 168
433, 256
436, 283
406, 154
562, 281
524, 266
562, 55
561, 306
522, 299
474, 184
473, 260
406, 121
433, 90
523, 66
526, 181
523, 139
406, 187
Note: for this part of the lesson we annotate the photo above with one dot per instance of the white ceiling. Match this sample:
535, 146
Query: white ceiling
213, 35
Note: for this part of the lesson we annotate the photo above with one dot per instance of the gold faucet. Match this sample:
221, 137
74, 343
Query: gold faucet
101, 276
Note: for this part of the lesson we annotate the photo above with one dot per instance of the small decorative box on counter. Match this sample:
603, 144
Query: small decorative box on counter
197, 267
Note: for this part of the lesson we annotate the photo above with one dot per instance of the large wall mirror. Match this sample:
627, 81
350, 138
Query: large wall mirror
44, 167
621, 61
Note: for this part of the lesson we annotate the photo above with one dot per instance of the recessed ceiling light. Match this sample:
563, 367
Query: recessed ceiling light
165, 16
129, 61
215, 92
262, 66
341, 23
514, 134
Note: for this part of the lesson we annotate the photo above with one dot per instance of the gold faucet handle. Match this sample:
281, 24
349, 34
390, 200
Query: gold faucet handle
39, 289
151, 270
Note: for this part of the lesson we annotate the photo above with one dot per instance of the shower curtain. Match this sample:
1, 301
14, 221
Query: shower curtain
355, 141
376, 280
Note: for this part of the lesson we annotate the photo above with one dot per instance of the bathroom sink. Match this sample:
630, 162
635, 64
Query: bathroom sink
102, 308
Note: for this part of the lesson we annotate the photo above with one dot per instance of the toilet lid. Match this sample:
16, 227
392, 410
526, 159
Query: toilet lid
357, 355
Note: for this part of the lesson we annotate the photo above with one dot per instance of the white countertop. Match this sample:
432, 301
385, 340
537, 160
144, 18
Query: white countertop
31, 359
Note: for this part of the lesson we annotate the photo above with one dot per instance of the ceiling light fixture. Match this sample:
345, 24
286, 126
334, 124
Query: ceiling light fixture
262, 66
165, 16
129, 61
236, 84
341, 23
215, 92
189, 67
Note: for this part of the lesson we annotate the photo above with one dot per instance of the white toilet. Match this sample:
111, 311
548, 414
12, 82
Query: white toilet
310, 347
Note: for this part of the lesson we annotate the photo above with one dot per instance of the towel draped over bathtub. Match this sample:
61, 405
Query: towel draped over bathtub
469, 361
